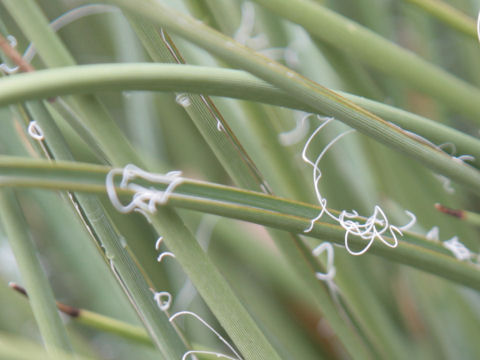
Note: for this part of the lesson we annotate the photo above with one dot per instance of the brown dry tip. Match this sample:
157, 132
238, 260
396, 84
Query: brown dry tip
66, 309
18, 288
449, 211
69, 310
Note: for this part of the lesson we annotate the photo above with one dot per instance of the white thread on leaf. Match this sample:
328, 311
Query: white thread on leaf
373, 227
328, 248
478, 26
145, 199
446, 183
4, 67
158, 243
220, 126
165, 254
163, 300
433, 234
35, 131
183, 100
412, 222
169, 46
460, 251
464, 158
188, 353
298, 133
329, 275
247, 23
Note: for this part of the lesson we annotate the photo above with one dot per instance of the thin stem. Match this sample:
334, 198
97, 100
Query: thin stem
214, 81
468, 217
42, 300
449, 15
99, 321
413, 250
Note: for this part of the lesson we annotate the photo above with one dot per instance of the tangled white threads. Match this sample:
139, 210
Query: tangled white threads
145, 199
260, 43
374, 227
57, 24
35, 131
